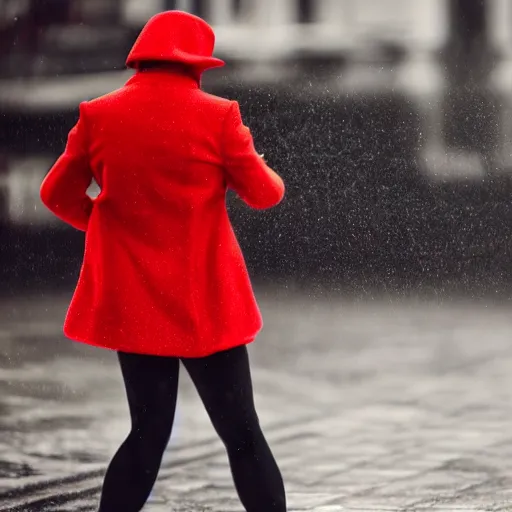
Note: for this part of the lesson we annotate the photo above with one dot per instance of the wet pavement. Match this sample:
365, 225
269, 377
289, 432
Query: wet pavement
369, 405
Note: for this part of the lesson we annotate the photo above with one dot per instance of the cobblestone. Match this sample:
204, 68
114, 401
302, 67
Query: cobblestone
403, 406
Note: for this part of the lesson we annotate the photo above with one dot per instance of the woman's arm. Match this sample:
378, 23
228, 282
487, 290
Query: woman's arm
247, 173
63, 190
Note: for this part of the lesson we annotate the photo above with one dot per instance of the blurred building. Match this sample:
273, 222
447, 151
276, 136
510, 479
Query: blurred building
418, 48
397, 98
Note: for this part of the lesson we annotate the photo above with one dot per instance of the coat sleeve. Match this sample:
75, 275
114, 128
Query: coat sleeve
246, 171
64, 189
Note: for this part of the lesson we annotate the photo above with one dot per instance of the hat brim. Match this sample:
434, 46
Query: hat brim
196, 61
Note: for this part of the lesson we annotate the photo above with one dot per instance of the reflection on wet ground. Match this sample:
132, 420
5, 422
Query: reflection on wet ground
394, 404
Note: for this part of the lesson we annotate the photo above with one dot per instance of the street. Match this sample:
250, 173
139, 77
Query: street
382, 405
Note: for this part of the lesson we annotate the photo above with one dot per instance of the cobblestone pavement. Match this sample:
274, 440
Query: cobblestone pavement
368, 406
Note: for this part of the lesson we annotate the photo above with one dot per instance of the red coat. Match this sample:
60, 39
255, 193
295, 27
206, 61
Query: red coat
163, 273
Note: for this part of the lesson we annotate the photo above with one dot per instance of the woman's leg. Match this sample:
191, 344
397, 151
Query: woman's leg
151, 387
224, 384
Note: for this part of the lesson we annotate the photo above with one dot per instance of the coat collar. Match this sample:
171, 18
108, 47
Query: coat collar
164, 78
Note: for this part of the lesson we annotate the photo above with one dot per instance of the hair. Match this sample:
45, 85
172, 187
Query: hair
147, 65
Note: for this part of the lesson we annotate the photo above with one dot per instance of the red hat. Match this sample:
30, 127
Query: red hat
175, 36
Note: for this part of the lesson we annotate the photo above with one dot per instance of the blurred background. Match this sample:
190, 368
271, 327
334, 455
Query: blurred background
390, 121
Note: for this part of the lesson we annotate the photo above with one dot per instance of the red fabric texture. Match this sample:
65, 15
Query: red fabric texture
175, 36
162, 273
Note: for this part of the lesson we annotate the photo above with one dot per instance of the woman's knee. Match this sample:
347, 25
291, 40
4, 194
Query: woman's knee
151, 437
240, 436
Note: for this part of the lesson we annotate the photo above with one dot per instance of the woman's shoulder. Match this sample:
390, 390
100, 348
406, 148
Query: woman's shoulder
222, 106
218, 101
103, 100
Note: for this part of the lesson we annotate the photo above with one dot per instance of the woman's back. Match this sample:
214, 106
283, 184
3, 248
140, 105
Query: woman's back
156, 153
161, 259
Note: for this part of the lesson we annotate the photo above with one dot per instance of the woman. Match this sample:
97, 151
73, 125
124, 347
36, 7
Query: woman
163, 279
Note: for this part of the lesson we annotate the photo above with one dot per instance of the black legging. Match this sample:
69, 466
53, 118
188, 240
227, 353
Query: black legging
223, 381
